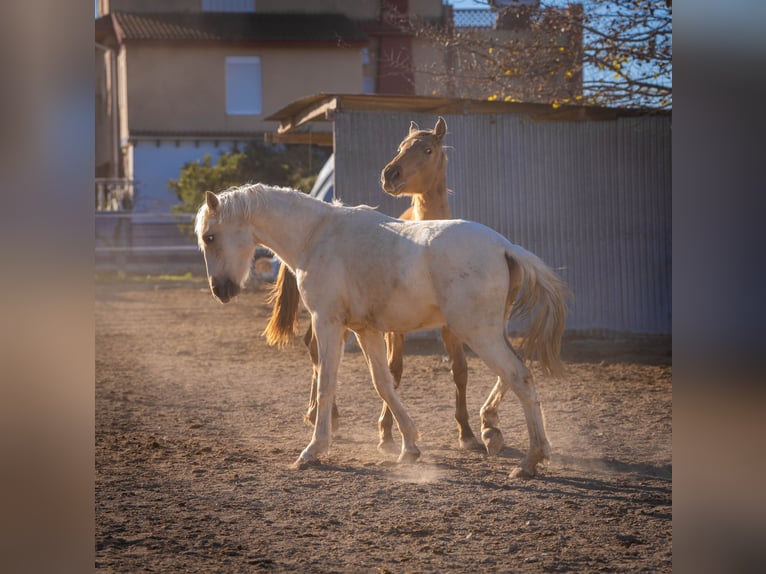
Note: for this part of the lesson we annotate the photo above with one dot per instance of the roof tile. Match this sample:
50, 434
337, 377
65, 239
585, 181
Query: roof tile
234, 27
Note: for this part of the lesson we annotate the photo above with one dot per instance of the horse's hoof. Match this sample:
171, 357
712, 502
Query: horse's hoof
303, 464
387, 446
521, 472
471, 444
409, 456
493, 440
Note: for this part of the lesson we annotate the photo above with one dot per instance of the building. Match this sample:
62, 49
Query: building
178, 79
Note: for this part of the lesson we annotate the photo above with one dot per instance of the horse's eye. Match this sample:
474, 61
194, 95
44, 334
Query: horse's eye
208, 239
428, 150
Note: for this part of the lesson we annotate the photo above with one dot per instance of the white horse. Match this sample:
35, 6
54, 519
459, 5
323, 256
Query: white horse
361, 270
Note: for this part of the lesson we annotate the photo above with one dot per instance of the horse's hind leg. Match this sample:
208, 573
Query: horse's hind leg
310, 417
500, 357
459, 368
490, 431
374, 348
395, 352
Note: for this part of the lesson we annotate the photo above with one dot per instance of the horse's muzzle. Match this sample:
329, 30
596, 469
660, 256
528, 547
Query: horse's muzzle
390, 179
224, 290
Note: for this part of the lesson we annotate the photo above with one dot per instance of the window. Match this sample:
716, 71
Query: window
228, 5
368, 81
243, 86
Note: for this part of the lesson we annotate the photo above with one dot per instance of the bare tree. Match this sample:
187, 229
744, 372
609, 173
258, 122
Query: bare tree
597, 52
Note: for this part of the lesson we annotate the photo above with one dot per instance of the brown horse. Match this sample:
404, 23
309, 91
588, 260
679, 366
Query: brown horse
418, 170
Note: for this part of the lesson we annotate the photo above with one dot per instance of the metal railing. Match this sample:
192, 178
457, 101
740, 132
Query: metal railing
129, 232
146, 242
478, 18
114, 194
127, 240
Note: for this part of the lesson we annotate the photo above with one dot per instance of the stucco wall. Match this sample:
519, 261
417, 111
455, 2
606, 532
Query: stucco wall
183, 87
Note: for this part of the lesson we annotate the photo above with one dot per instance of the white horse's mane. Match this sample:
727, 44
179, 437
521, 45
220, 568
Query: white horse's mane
363, 207
239, 202
236, 202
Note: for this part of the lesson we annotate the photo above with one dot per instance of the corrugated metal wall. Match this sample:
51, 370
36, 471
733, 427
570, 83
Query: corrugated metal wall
592, 199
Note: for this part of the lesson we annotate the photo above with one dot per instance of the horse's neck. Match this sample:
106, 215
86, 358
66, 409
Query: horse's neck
433, 204
287, 223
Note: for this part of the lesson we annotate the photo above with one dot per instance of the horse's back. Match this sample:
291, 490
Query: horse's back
467, 265
461, 243
372, 272
368, 241
378, 261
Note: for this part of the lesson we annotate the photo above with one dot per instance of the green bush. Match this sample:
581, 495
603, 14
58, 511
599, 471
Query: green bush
293, 166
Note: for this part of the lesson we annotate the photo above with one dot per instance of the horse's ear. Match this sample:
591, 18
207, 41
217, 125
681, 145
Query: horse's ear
413, 127
440, 129
212, 201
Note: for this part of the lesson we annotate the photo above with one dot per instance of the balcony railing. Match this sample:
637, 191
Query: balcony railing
468, 18
114, 194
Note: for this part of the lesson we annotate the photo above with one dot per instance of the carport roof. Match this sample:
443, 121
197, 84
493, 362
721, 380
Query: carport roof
320, 107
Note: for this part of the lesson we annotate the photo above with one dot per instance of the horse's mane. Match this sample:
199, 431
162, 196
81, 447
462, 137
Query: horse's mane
240, 202
237, 202
362, 207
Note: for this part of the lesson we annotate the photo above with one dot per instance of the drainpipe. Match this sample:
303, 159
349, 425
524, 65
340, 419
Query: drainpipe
115, 110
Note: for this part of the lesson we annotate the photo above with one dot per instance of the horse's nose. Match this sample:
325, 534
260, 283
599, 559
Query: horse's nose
391, 174
224, 290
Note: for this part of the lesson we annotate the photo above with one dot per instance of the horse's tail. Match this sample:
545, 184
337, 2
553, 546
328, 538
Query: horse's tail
538, 294
284, 316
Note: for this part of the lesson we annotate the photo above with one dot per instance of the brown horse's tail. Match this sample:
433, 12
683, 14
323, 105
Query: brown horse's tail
284, 316
538, 294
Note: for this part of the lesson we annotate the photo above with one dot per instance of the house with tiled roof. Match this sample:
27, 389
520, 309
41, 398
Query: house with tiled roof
178, 79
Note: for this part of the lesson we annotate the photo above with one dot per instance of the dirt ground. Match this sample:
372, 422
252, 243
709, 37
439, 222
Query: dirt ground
198, 421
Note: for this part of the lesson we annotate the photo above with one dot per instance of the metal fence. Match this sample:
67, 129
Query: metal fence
157, 242
474, 18
591, 198
114, 194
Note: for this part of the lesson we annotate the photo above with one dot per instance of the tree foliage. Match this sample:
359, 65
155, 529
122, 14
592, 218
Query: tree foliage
597, 52
293, 166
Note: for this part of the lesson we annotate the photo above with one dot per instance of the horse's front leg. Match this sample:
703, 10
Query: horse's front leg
329, 339
459, 368
395, 351
374, 348
311, 345
311, 413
